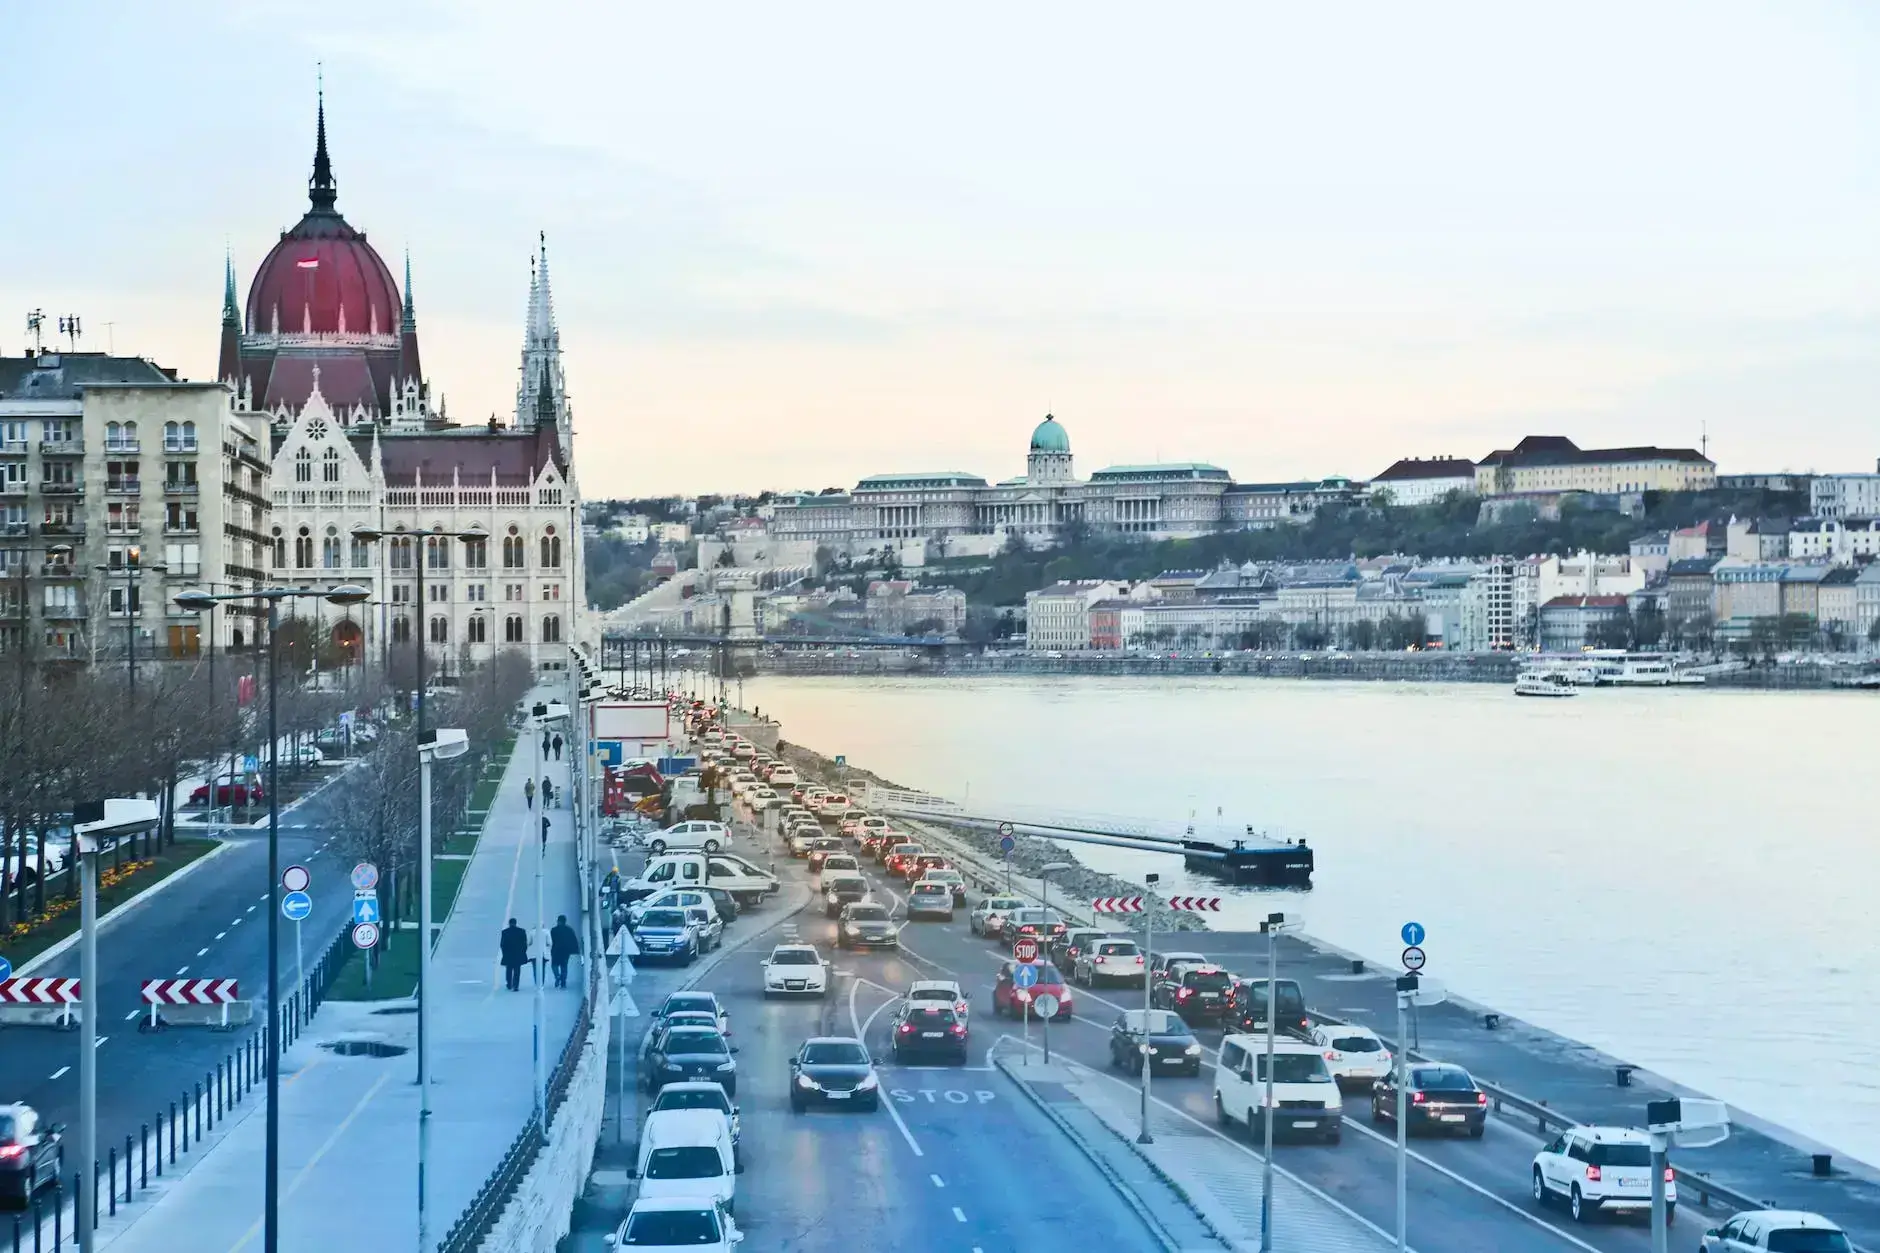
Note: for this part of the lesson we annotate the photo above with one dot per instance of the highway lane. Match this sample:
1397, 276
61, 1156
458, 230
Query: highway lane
1463, 1194
210, 925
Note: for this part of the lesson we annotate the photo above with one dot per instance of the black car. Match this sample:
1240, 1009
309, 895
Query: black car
835, 1071
32, 1154
726, 904
928, 1029
691, 1053
1066, 947
1442, 1097
866, 925
1246, 1008
1197, 993
843, 888
1173, 1048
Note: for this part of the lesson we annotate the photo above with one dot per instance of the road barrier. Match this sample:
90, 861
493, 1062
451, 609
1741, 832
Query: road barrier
195, 1003
38, 1002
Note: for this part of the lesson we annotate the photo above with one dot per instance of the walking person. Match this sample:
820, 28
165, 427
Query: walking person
528, 792
563, 944
548, 792
546, 741
557, 746
515, 951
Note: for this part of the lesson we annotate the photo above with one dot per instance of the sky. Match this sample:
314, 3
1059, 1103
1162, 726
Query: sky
792, 245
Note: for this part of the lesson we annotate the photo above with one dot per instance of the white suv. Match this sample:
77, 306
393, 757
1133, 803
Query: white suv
1355, 1054
1599, 1168
709, 836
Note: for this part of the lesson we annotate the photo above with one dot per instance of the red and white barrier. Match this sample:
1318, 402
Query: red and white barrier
1196, 904
191, 997
38, 991
1116, 905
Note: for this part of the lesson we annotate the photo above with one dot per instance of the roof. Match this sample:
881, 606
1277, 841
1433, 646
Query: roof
1558, 450
1049, 436
1296, 487
472, 454
1430, 468
1840, 576
1172, 470
1586, 602
65, 375
924, 478
1693, 565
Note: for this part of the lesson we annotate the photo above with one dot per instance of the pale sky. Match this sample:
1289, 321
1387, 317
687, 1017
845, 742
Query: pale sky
796, 244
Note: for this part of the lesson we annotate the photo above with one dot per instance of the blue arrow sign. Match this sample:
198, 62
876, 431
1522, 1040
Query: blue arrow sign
1024, 976
1413, 933
365, 909
295, 906
6, 969
1007, 844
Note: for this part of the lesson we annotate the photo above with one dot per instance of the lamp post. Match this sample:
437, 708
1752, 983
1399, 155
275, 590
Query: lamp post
131, 569
1274, 926
345, 594
1044, 879
437, 745
1148, 962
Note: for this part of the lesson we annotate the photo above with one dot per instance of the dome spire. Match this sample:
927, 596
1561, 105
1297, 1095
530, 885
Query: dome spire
320, 188
231, 313
410, 319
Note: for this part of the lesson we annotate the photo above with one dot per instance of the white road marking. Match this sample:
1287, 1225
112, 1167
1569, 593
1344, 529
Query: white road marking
218, 935
860, 1034
132, 1016
60, 1071
182, 970
251, 909
938, 1182
101, 1041
203, 951
236, 923
959, 1214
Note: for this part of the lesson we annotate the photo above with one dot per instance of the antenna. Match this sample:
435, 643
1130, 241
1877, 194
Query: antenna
1704, 440
73, 331
35, 323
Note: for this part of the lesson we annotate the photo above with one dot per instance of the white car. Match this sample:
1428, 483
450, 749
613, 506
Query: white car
698, 834
1111, 959
762, 797
671, 898
1356, 1056
939, 991
834, 805
1772, 1229
669, 1224
795, 970
1600, 1168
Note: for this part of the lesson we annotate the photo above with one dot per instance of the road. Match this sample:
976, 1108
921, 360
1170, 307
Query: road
211, 924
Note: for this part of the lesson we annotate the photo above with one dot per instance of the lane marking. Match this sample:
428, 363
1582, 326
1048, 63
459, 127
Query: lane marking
101, 1041
132, 1016
854, 989
959, 1214
938, 1182
218, 935
251, 909
202, 952
182, 970
60, 1071
301, 1176
236, 923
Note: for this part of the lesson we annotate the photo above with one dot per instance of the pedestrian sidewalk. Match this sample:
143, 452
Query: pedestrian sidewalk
349, 1100
1217, 1176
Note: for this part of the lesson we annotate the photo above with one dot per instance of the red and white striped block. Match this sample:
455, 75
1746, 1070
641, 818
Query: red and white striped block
189, 991
40, 991
1195, 904
1116, 905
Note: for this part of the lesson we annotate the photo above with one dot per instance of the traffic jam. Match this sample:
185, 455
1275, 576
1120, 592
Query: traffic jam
882, 893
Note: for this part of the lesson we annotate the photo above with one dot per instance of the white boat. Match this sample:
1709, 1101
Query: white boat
1633, 673
1544, 683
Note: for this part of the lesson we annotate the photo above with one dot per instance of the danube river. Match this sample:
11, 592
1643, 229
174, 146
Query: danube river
1685, 879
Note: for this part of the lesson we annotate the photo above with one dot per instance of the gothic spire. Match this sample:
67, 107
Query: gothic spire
320, 188
541, 398
410, 320
231, 312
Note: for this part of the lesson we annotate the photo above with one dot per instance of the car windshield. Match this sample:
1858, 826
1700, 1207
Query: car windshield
842, 882
684, 1161
1048, 973
932, 994
1442, 1078
1117, 949
1207, 980
691, 1000
1808, 1240
696, 1041
671, 1226
9, 1129
793, 957
1357, 1044
1619, 1155
1160, 1022
868, 913
693, 1098
835, 1053
663, 918
943, 876
1293, 1068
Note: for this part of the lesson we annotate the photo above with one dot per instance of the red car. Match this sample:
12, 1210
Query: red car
230, 792
1005, 991
912, 868
896, 861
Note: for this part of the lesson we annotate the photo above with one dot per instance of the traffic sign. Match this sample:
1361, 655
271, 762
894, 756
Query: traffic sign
1195, 904
296, 905
1413, 933
365, 875
1413, 959
1025, 975
38, 990
1045, 1005
250, 765
295, 879
1116, 905
365, 935
1005, 828
1007, 844
365, 908
841, 760
190, 991
1024, 949
6, 970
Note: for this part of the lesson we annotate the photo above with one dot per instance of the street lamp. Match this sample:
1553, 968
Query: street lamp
1274, 926
345, 594
437, 745
1148, 963
131, 569
472, 535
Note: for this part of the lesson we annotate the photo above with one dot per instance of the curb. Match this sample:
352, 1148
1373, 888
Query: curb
1168, 1242
118, 911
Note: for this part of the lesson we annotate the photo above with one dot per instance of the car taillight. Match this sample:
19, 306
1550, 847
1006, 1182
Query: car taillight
959, 1007
1670, 1177
1592, 1174
1139, 959
907, 1028
1481, 1098
956, 1029
1417, 1098
12, 1150
1184, 994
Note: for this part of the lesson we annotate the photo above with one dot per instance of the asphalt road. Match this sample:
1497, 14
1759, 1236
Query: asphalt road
211, 924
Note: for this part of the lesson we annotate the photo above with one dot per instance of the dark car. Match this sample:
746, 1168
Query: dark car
843, 888
1197, 993
1172, 1047
692, 1053
1246, 1009
821, 848
1066, 947
1443, 1097
866, 925
928, 1029
913, 868
669, 935
835, 1071
230, 792
726, 904
694, 1002
32, 1154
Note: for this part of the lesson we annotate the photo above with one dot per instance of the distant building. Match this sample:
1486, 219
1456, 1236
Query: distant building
1757, 539
1845, 496
1837, 606
1841, 541
1867, 605
1796, 483
1547, 464
1422, 481
1706, 539
1058, 617
898, 607
1651, 552
1689, 597
1585, 574
1571, 623
1498, 606
671, 532
1261, 506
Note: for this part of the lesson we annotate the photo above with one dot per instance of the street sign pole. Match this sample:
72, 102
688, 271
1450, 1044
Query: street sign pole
1406, 986
1148, 962
87, 1200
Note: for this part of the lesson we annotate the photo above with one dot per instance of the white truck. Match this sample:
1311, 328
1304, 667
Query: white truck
747, 882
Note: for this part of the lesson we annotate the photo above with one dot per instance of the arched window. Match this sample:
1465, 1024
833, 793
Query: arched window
329, 466
361, 554
513, 551
303, 549
113, 435
189, 437
437, 552
277, 551
172, 437
130, 432
303, 466
440, 629
476, 554
401, 552
551, 549
512, 629
477, 631
401, 630
330, 548
551, 629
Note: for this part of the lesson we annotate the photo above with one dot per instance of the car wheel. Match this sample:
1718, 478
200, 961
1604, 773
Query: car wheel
1221, 1115
656, 847
1538, 1188
1476, 1130
1334, 1136
1377, 1111
711, 846
1577, 1206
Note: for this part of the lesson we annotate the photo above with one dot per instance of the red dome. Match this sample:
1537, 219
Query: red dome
319, 269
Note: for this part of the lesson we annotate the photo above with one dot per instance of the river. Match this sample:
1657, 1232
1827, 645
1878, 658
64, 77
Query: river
1681, 878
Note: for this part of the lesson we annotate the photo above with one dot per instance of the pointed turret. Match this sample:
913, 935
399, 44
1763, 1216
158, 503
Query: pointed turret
408, 367
228, 367
541, 392
320, 188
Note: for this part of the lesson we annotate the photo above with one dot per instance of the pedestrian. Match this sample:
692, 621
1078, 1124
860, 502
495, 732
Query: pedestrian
528, 792
541, 956
515, 950
545, 741
557, 746
548, 792
563, 943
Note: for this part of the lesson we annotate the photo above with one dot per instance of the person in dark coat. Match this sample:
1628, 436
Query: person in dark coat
545, 741
528, 792
515, 949
557, 746
563, 943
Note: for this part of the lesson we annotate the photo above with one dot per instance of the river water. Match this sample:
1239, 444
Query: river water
1685, 879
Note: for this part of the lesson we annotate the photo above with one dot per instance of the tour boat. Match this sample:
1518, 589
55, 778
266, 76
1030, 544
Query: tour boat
1544, 683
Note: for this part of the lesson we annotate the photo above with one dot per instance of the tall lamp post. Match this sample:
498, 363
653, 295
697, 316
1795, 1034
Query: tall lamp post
1274, 926
345, 594
541, 715
130, 570
440, 744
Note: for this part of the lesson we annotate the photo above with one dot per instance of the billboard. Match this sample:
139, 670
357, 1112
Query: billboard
629, 720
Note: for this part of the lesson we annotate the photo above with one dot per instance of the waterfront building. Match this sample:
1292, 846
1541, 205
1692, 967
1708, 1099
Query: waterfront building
1690, 598
1837, 606
1844, 496
1057, 618
1554, 464
1498, 605
1867, 606
1424, 481
1744, 592
1706, 539
1585, 574
1842, 541
898, 607
1571, 623
1757, 539
114, 462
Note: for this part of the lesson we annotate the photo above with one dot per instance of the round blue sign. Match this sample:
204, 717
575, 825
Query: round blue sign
1413, 933
1007, 844
6, 969
296, 905
1024, 976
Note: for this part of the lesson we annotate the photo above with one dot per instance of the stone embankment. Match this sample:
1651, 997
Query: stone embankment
1432, 667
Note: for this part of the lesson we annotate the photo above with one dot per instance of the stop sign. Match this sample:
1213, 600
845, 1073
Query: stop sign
1025, 949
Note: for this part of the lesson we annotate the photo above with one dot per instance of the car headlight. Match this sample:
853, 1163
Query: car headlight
806, 1083
852, 928
724, 1066
1333, 1105
868, 1084
1193, 1050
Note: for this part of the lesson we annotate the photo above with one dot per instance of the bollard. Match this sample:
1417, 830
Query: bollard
1623, 1072
111, 1164
1823, 1165
143, 1154
1491, 1021
1357, 965
127, 1170
187, 1106
172, 1138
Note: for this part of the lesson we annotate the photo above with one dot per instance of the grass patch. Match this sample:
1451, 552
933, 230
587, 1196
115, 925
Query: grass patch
394, 975
461, 843
25, 941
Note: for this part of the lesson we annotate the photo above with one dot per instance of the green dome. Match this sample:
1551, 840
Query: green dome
1050, 436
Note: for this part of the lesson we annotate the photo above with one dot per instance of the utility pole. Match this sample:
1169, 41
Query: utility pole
1148, 962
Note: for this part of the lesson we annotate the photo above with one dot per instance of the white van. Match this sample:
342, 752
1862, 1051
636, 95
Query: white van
1306, 1099
688, 1152
745, 881
705, 836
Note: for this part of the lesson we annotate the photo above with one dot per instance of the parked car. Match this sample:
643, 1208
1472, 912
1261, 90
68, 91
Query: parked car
660, 1224
668, 934
834, 1071
230, 791
699, 834
687, 1052
1443, 1097
1157, 1038
694, 1002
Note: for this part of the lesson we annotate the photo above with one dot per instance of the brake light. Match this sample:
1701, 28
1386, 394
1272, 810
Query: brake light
1592, 1174
956, 1029
12, 1150
959, 1007
1669, 1176
1139, 959
907, 1028
1184, 994
1481, 1098
1417, 1098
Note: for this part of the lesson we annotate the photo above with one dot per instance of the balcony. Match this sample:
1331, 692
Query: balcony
177, 487
58, 570
113, 447
70, 530
64, 613
183, 570
123, 487
61, 447
13, 487
181, 528
62, 489
178, 448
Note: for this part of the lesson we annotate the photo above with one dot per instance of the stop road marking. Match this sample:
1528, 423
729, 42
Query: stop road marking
934, 1096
